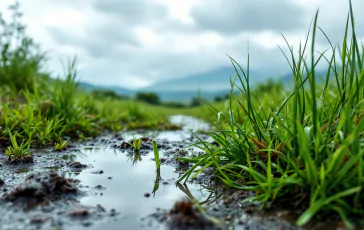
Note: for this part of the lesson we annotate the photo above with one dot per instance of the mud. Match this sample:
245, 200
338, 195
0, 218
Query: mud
104, 184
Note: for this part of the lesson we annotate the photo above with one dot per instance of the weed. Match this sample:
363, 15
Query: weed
17, 152
60, 145
136, 144
306, 146
156, 155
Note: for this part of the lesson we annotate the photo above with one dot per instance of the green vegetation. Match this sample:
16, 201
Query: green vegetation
45, 109
156, 156
17, 152
60, 145
136, 144
305, 147
107, 94
151, 98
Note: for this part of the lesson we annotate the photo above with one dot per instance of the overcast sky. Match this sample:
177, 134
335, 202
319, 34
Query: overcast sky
134, 43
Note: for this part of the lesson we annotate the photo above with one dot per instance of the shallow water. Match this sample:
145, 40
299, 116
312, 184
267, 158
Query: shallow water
126, 179
129, 181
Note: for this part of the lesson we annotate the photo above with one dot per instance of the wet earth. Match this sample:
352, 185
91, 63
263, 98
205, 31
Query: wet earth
103, 183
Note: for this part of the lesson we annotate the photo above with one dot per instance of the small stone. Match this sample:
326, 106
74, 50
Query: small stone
79, 213
1, 182
98, 172
147, 194
100, 208
76, 165
99, 187
110, 178
113, 212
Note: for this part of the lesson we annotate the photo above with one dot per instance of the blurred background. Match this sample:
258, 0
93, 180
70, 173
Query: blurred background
176, 50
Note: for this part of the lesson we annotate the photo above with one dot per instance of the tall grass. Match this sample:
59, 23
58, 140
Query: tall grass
306, 148
37, 107
20, 58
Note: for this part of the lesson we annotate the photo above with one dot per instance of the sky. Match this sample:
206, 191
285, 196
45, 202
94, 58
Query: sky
136, 43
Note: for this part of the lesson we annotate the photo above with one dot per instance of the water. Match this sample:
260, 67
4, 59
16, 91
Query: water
126, 178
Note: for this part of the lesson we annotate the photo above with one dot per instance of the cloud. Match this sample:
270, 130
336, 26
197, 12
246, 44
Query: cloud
133, 43
98, 41
235, 16
132, 11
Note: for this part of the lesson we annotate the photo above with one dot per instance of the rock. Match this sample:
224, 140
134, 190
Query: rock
99, 187
124, 145
76, 165
98, 172
79, 213
1, 182
147, 194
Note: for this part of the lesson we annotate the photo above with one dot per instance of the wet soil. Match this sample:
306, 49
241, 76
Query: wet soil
104, 184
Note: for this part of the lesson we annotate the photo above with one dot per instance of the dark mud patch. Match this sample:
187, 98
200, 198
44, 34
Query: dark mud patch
42, 186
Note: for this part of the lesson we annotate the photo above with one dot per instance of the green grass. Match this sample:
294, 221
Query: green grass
45, 109
16, 152
305, 148
136, 144
60, 145
156, 155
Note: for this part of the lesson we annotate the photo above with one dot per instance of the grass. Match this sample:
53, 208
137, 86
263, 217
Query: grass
60, 145
156, 155
17, 152
136, 144
305, 148
46, 109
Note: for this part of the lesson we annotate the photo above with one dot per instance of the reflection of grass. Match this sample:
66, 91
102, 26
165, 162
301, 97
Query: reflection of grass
211, 198
156, 182
135, 157
305, 147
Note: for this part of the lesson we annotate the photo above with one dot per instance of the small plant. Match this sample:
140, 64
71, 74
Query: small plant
156, 155
61, 145
136, 145
17, 152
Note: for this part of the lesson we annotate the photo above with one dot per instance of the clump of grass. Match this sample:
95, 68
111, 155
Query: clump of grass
306, 148
60, 145
136, 144
17, 152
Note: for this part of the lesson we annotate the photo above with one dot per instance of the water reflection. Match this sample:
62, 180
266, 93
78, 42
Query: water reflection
134, 157
133, 176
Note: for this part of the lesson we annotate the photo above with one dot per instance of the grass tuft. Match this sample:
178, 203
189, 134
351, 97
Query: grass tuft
304, 146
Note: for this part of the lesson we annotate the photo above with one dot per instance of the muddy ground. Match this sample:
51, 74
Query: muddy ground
45, 192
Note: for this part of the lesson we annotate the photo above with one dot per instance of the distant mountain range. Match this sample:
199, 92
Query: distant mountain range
207, 85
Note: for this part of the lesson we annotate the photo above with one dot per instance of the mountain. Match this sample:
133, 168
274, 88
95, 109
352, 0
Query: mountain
207, 85
320, 76
213, 81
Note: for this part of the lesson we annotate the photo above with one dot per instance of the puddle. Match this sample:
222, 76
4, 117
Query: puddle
124, 184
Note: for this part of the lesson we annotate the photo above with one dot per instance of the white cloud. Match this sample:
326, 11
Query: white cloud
136, 43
